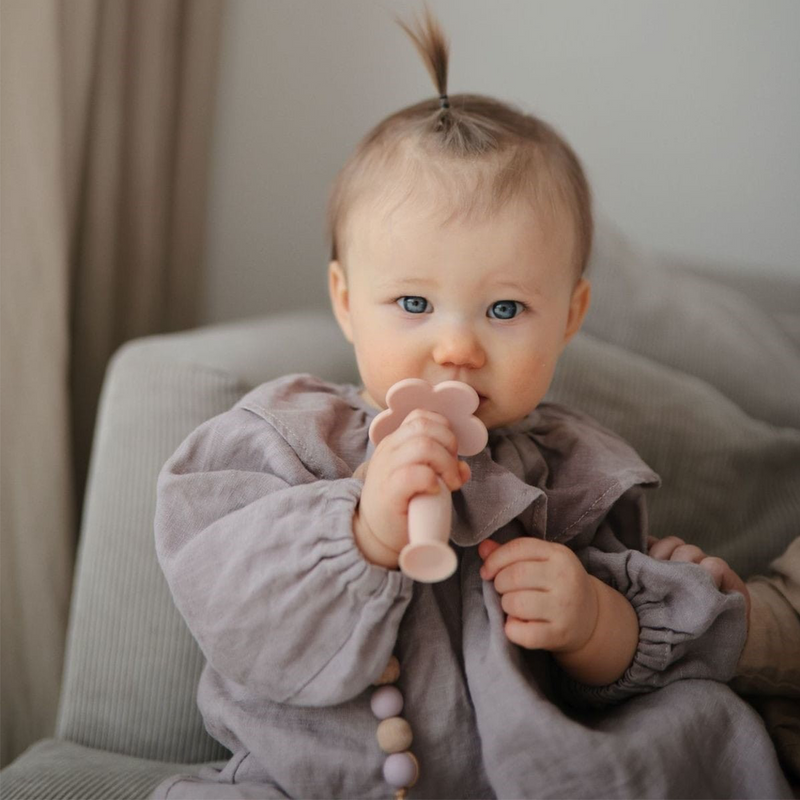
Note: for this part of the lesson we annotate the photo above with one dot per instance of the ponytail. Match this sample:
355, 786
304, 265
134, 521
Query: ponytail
481, 152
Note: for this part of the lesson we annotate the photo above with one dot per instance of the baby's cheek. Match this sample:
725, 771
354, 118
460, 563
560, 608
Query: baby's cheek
530, 382
380, 367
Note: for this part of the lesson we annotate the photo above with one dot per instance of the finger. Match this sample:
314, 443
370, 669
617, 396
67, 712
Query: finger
425, 450
729, 581
664, 548
531, 635
413, 479
486, 547
523, 548
436, 426
715, 567
425, 413
428, 423
528, 605
524, 575
687, 552
651, 540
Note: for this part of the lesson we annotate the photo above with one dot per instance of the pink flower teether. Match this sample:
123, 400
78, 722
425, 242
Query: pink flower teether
453, 399
427, 557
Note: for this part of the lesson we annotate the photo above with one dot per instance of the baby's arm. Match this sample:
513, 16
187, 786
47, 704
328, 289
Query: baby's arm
554, 604
686, 628
259, 554
770, 660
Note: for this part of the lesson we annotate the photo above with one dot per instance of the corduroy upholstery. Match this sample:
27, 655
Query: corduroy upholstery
130, 654
58, 769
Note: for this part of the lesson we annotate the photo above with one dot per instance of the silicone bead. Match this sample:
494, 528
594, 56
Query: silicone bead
387, 701
390, 674
394, 735
401, 769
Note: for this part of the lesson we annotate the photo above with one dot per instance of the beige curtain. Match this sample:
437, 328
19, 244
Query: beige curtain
107, 109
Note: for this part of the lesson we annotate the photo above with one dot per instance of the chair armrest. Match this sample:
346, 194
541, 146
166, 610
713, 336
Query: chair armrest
131, 665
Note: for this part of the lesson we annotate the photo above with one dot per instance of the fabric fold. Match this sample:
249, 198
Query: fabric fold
491, 498
559, 473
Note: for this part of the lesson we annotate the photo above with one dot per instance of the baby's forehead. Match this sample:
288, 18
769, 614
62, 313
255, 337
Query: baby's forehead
390, 215
393, 214
394, 224
463, 257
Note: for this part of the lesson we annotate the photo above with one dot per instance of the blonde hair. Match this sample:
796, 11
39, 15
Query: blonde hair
482, 152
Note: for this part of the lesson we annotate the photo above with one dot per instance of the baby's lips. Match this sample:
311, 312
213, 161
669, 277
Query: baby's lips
453, 399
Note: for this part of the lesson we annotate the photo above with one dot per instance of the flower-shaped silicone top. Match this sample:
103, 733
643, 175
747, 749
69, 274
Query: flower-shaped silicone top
453, 399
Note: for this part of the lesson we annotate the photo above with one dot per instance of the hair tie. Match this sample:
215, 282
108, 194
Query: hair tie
445, 102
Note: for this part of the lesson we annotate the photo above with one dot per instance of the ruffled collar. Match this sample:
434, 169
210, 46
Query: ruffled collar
558, 472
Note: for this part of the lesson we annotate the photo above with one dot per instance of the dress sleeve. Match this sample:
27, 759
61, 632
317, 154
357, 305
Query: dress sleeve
687, 627
261, 561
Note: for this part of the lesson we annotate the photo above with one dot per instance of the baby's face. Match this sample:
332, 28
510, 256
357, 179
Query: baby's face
491, 304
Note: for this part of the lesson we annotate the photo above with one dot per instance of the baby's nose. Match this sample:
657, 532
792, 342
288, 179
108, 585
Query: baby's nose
459, 347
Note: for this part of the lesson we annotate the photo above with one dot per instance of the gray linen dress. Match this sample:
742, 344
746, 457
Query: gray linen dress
254, 534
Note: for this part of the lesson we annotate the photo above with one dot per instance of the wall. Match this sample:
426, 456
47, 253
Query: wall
686, 115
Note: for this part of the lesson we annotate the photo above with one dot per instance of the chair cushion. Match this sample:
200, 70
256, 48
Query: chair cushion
731, 483
54, 768
699, 324
131, 665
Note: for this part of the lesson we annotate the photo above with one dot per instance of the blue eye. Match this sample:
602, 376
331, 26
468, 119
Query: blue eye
414, 305
505, 309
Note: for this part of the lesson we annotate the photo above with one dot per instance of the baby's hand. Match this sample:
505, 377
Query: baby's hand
674, 549
548, 596
406, 463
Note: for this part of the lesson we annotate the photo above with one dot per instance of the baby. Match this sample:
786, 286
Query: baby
460, 231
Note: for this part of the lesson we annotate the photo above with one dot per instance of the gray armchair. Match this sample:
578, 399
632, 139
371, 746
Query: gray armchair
685, 388
127, 715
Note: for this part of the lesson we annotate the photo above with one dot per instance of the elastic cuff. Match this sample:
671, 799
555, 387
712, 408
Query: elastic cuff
687, 629
369, 579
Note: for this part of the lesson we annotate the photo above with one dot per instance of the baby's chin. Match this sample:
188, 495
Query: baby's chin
493, 417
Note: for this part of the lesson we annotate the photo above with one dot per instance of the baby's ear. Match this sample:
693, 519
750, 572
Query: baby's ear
578, 306
340, 298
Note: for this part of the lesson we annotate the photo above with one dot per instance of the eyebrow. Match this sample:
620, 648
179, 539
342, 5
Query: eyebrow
399, 282
520, 287
392, 282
